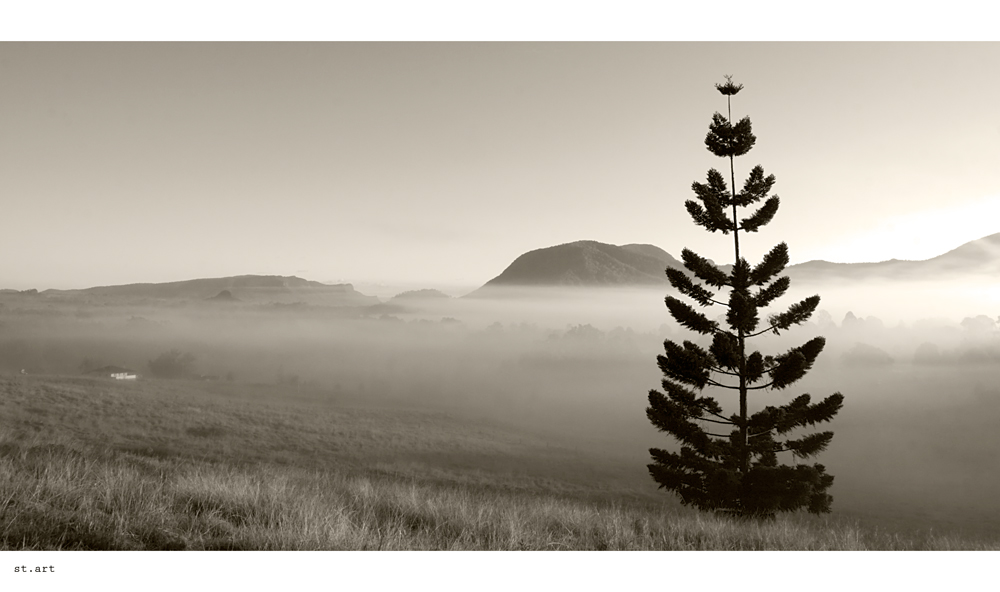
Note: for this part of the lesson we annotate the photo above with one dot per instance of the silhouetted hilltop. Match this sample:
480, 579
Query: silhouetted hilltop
588, 263
224, 296
427, 294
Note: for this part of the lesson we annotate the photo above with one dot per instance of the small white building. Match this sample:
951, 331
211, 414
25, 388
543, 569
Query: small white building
116, 372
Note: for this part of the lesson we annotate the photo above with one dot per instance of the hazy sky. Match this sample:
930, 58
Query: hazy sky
436, 164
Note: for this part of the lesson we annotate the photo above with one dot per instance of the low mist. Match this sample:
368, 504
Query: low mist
919, 367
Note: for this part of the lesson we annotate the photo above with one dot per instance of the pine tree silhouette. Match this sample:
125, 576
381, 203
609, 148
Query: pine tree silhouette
737, 473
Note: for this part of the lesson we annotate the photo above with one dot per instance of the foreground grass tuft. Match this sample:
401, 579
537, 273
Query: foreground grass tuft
55, 497
151, 468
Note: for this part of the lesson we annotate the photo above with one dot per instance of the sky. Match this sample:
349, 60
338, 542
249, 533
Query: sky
437, 164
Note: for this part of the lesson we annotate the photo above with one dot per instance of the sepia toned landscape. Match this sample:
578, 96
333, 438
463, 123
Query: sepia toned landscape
406, 297
290, 414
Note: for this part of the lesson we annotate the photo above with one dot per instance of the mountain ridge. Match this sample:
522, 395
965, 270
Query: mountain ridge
579, 263
592, 263
979, 256
248, 288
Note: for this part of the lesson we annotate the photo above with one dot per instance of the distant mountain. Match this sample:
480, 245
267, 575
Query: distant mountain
978, 252
224, 296
978, 257
653, 251
590, 263
248, 288
427, 294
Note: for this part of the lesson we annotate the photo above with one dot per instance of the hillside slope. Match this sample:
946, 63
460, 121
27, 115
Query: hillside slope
248, 288
588, 263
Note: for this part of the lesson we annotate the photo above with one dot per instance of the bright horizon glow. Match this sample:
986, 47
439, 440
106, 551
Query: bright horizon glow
917, 236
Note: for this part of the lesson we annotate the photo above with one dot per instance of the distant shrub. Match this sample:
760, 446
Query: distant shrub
983, 354
584, 333
851, 322
927, 353
172, 364
863, 354
979, 324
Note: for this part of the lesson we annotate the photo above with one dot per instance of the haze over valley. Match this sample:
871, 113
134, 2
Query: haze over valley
562, 344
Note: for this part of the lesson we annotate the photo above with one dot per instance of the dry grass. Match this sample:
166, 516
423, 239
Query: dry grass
54, 498
224, 485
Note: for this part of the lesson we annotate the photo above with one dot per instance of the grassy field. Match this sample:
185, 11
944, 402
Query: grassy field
99, 464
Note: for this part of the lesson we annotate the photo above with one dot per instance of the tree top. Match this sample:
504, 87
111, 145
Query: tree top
729, 88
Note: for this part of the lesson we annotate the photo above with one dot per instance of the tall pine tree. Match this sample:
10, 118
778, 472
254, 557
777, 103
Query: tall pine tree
737, 472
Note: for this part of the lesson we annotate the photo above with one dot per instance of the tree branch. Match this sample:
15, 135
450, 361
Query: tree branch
717, 415
721, 371
716, 421
760, 332
713, 383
